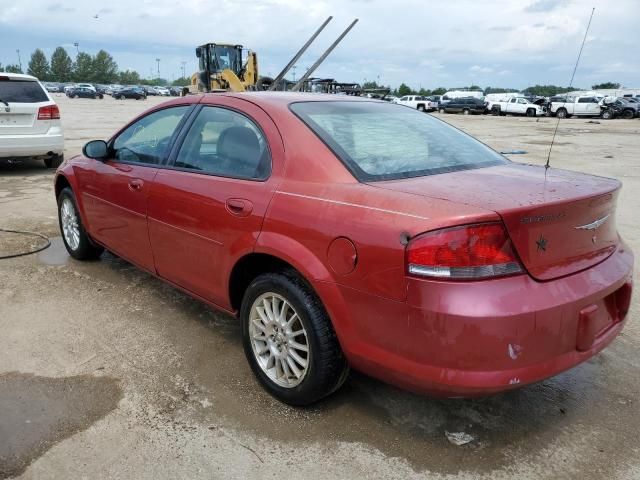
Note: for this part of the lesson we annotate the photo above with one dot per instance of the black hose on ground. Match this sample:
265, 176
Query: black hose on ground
31, 252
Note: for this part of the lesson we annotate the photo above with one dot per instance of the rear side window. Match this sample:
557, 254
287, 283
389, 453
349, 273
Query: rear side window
21, 91
379, 141
225, 143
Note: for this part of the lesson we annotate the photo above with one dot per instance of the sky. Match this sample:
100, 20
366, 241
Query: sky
423, 43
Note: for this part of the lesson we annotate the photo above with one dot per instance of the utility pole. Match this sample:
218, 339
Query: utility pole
77, 45
19, 59
183, 63
158, 61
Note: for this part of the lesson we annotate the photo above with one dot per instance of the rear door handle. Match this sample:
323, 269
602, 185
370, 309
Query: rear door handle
135, 184
239, 207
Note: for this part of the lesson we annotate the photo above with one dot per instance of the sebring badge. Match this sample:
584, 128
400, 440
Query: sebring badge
593, 225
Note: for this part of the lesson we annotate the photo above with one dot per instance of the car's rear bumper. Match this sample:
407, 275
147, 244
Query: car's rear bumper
32, 145
479, 338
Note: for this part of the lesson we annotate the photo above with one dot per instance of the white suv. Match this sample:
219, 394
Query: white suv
29, 121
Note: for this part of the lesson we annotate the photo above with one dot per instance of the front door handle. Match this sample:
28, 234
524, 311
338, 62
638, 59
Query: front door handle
239, 207
135, 185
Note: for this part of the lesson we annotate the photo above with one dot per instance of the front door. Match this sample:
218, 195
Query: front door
206, 208
115, 191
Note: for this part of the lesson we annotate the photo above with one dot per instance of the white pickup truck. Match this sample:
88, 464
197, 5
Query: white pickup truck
516, 106
580, 105
418, 102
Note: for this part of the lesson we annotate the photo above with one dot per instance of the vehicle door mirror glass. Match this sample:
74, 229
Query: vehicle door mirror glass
96, 149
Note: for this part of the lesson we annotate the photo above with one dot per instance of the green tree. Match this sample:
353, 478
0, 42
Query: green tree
129, 77
370, 85
439, 91
83, 68
39, 65
425, 92
489, 90
548, 90
13, 69
61, 66
181, 82
404, 90
605, 86
105, 69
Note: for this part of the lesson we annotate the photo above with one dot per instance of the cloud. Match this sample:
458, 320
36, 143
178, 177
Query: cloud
527, 38
539, 6
480, 69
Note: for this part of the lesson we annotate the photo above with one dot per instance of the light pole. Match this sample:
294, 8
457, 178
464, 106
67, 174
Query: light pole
294, 72
77, 45
19, 59
158, 62
183, 63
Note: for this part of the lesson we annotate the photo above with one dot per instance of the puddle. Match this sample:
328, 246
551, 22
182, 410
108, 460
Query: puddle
56, 254
38, 412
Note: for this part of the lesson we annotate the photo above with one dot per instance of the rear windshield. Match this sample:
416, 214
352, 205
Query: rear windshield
20, 91
380, 141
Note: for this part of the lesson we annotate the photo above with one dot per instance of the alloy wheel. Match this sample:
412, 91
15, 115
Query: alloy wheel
279, 340
70, 226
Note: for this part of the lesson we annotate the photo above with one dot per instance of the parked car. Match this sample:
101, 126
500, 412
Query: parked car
130, 92
516, 106
150, 90
83, 92
29, 121
375, 248
619, 107
463, 105
86, 85
163, 91
418, 102
52, 87
579, 105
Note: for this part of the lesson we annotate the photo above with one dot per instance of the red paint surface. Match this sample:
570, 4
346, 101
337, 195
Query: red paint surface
444, 337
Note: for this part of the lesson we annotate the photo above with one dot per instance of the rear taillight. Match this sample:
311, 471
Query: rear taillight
49, 112
466, 253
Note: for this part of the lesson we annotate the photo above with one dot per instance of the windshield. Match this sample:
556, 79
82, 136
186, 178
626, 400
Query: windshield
381, 141
21, 91
226, 57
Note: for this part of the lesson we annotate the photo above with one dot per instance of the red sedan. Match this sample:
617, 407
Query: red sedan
354, 233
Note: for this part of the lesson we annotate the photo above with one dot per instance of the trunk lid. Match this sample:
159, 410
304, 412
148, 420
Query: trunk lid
560, 222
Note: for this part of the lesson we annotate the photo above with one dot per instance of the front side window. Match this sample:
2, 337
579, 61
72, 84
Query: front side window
225, 143
379, 141
147, 140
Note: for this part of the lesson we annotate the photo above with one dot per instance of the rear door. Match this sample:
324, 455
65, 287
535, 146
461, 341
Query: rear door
115, 191
20, 100
206, 209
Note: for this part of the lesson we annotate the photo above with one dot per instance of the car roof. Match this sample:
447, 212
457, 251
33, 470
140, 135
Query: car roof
18, 76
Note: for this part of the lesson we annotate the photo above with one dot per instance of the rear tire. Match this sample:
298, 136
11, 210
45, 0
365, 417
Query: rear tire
74, 236
316, 372
627, 114
441, 110
466, 111
54, 161
421, 108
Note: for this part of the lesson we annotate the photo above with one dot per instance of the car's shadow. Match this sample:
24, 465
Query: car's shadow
24, 168
525, 423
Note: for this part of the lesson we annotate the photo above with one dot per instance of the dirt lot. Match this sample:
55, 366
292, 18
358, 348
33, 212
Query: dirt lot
105, 372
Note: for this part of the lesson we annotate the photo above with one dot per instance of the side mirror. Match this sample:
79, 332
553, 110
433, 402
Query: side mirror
96, 149
198, 52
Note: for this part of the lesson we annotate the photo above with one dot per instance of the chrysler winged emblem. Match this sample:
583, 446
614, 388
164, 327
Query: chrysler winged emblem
593, 225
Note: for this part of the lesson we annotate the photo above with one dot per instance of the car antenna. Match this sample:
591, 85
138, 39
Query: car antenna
570, 85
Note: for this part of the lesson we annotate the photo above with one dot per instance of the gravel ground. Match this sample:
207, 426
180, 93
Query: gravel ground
106, 372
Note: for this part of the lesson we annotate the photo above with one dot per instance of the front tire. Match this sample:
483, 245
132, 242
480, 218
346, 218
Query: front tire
562, 113
466, 111
289, 340
531, 112
74, 236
